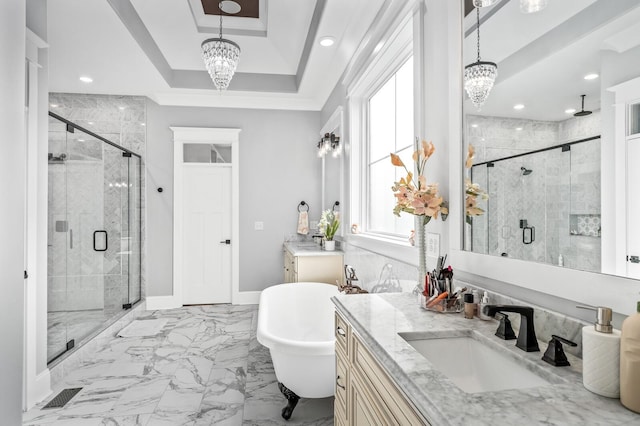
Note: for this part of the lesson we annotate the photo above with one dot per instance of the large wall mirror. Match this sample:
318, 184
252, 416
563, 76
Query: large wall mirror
556, 141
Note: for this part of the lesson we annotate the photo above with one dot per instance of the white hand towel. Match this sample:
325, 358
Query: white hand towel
303, 223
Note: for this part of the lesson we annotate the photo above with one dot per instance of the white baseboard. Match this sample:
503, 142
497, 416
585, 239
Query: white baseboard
247, 298
39, 389
170, 302
162, 302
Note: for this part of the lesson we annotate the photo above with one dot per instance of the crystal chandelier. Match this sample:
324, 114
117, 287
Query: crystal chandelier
221, 58
532, 6
479, 76
484, 3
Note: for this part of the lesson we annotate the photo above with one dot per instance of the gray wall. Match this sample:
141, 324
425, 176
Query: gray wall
278, 169
12, 194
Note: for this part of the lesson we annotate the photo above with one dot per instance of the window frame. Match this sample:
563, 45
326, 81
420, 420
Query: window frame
398, 44
366, 171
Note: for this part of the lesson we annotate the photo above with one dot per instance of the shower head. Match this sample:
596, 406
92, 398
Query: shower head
582, 113
525, 171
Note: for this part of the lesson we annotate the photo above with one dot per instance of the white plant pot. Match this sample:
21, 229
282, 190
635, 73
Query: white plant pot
330, 245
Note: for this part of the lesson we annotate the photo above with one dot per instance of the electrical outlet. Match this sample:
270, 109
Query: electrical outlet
433, 244
314, 224
258, 226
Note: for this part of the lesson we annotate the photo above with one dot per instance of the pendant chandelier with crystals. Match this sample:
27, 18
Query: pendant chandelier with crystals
484, 3
220, 58
480, 75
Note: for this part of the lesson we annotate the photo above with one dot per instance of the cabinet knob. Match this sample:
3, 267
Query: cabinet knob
338, 383
340, 331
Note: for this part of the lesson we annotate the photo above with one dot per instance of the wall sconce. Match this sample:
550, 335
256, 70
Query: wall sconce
329, 143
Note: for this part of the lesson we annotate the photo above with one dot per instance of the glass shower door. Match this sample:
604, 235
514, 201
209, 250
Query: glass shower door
57, 241
94, 235
85, 215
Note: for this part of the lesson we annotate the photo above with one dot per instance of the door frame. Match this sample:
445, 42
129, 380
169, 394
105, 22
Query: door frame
205, 135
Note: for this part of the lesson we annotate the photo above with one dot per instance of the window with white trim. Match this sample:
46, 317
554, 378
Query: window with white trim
390, 129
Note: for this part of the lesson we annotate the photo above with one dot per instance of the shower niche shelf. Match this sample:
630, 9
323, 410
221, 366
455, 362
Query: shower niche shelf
586, 225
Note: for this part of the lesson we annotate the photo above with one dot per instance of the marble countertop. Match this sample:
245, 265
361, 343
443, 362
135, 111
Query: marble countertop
309, 248
378, 318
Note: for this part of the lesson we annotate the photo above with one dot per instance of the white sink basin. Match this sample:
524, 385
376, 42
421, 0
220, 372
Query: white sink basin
473, 366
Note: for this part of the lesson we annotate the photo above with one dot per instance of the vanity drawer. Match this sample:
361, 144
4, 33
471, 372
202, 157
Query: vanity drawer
342, 331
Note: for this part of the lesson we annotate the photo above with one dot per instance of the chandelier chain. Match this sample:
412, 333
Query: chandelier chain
477, 30
220, 8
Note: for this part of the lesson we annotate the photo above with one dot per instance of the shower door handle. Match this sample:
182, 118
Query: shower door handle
71, 239
531, 231
106, 240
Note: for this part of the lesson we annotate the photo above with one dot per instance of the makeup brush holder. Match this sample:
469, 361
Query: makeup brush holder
444, 306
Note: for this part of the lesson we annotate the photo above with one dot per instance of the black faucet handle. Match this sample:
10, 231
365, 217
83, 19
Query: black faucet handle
504, 331
554, 354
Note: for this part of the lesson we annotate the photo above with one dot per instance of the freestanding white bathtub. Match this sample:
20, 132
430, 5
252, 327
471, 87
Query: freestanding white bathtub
295, 321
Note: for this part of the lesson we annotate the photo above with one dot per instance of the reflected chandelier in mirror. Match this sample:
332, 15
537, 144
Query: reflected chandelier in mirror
558, 178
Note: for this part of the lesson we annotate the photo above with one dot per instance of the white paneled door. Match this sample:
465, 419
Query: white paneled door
206, 233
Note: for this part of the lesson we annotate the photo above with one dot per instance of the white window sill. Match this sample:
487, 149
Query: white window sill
394, 248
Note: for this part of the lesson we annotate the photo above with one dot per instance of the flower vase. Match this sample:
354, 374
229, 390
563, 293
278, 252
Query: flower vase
421, 242
329, 245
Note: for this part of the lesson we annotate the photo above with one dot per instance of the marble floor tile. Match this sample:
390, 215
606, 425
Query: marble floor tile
226, 386
186, 400
205, 367
142, 397
220, 414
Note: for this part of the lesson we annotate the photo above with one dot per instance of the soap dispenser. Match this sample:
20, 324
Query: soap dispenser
601, 354
630, 362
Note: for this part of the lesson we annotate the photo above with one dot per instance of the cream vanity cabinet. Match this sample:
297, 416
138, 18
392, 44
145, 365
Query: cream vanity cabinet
365, 394
312, 265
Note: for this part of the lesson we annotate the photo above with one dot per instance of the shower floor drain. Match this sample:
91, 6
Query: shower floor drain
62, 398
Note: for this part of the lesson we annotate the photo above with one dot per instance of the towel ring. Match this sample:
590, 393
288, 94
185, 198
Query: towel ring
303, 204
336, 206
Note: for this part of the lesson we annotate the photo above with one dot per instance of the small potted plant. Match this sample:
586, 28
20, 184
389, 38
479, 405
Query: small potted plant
329, 225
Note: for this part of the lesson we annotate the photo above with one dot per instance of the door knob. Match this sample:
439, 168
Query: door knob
225, 242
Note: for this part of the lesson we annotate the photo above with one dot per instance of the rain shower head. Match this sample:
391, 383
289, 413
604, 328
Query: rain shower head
525, 171
582, 113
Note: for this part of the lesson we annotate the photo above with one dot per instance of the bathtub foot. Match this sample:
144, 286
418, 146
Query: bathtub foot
292, 399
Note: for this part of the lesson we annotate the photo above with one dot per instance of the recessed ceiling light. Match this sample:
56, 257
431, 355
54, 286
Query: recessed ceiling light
230, 7
80, 140
90, 123
121, 108
143, 124
518, 128
86, 79
570, 110
591, 76
518, 106
53, 105
474, 125
327, 41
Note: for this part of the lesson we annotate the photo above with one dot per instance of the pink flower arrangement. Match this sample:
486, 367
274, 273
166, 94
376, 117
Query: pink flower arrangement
415, 196
472, 190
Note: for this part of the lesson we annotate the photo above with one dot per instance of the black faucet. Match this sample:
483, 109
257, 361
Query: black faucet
527, 340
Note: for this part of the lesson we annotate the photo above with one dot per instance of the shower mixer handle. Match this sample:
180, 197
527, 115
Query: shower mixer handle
106, 240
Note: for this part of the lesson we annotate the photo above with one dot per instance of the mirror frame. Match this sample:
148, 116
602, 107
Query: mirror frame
618, 293
335, 124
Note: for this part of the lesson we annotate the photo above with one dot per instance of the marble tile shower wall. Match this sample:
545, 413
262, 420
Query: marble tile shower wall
120, 119
547, 198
